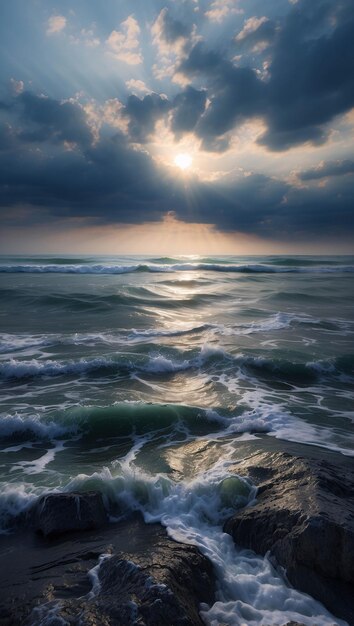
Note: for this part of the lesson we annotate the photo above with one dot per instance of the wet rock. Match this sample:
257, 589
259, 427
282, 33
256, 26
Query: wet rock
58, 513
304, 515
148, 579
165, 588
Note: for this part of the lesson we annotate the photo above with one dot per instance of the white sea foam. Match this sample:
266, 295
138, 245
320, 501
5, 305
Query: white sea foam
174, 332
193, 511
157, 362
37, 367
249, 590
177, 267
274, 419
93, 574
15, 499
37, 466
11, 342
276, 321
20, 426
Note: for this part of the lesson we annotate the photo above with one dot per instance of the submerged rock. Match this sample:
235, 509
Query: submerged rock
58, 513
304, 516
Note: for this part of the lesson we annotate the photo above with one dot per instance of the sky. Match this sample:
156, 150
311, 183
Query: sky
177, 126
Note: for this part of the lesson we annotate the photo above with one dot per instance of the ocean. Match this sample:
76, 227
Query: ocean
140, 377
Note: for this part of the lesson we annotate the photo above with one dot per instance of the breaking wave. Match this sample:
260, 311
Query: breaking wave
62, 268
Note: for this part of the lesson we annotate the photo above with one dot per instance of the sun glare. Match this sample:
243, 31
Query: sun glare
183, 161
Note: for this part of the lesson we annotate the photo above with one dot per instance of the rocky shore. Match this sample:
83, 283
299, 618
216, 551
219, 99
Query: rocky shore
304, 519
53, 571
144, 577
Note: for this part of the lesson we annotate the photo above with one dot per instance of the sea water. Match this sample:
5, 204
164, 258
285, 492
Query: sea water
140, 376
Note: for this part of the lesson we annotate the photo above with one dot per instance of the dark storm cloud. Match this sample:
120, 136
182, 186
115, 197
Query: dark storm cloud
312, 73
108, 182
48, 119
235, 94
321, 211
310, 78
188, 107
143, 115
328, 168
172, 29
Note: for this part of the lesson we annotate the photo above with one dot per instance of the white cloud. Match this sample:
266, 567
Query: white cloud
124, 44
56, 24
137, 86
220, 9
170, 50
250, 26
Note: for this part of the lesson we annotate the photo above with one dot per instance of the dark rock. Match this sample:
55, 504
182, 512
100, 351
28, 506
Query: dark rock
304, 515
163, 589
149, 580
58, 513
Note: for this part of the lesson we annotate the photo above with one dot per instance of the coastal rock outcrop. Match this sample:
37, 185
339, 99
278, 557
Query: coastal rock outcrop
153, 590
143, 577
304, 517
58, 513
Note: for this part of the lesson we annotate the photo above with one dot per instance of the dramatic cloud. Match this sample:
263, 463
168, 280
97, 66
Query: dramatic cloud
47, 119
109, 182
143, 115
310, 78
328, 168
124, 45
235, 94
233, 84
188, 107
312, 73
170, 36
168, 29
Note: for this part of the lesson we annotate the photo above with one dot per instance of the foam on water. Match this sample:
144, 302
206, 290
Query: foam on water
277, 421
15, 499
160, 361
255, 414
93, 574
202, 340
38, 465
11, 342
33, 426
249, 589
32, 268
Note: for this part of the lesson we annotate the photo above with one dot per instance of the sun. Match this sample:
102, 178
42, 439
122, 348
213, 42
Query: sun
183, 161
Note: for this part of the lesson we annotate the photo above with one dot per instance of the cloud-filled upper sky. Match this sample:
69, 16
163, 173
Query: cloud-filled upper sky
99, 100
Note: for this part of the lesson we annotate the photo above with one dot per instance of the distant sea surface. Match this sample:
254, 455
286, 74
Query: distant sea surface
138, 376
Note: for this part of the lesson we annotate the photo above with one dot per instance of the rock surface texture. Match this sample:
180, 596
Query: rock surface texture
153, 590
146, 579
58, 513
304, 516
